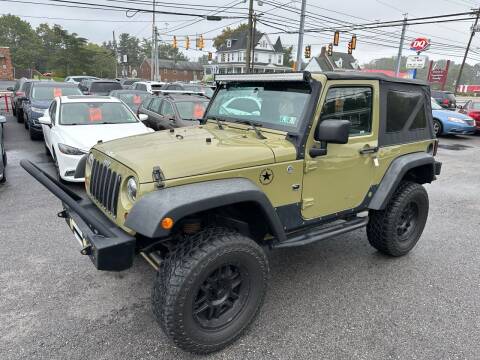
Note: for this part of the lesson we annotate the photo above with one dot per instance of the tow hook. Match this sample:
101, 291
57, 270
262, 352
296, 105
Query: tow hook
62, 214
87, 250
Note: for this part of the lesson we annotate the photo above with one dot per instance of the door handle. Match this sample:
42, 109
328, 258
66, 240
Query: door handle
368, 150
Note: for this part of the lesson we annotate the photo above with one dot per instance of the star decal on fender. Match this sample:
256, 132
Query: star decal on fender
266, 176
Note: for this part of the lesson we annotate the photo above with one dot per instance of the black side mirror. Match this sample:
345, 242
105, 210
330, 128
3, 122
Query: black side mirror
330, 131
10, 88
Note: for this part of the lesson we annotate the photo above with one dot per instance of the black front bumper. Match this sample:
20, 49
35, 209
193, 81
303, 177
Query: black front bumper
109, 247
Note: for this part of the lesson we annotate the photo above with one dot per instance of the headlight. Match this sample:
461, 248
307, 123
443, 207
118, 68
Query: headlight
132, 188
37, 110
456, 120
70, 150
90, 159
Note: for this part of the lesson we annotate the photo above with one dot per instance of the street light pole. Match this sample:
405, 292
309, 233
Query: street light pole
301, 31
474, 30
249, 37
400, 46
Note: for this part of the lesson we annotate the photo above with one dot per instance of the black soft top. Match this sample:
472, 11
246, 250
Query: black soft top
360, 75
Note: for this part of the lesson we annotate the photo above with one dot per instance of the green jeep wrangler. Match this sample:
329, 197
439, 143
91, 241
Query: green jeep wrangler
280, 160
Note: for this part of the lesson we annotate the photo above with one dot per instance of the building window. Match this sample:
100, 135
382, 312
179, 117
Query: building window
223, 57
229, 43
279, 60
184, 72
165, 71
174, 71
255, 58
269, 58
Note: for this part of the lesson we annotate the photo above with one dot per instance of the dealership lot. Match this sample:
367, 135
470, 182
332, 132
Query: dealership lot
334, 299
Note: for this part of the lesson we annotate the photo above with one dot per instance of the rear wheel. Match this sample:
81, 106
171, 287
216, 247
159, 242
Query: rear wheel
396, 230
19, 115
34, 135
437, 127
210, 289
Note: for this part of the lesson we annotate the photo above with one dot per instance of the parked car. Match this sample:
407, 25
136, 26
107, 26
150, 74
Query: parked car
3, 153
39, 95
472, 109
446, 99
18, 97
133, 98
73, 124
173, 110
79, 79
198, 88
149, 86
99, 87
128, 82
449, 122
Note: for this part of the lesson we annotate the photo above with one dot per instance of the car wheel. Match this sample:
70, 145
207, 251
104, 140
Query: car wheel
34, 135
25, 121
210, 288
395, 230
437, 127
19, 115
14, 111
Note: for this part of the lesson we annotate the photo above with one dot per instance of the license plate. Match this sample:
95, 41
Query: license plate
77, 233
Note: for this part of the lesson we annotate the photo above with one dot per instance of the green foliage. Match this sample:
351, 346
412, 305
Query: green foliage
165, 51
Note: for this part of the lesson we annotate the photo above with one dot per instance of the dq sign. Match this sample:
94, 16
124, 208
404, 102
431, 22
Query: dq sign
420, 44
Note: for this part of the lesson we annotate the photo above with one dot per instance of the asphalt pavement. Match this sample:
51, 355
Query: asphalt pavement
337, 299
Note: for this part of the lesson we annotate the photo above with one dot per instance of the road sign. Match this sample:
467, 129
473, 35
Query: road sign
416, 62
420, 44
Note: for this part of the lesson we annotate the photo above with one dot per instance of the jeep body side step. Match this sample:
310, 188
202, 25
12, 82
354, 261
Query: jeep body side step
304, 237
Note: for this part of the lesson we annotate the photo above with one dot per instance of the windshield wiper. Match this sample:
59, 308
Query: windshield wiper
217, 119
254, 127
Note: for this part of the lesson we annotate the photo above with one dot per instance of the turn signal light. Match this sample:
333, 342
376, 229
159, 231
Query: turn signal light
167, 223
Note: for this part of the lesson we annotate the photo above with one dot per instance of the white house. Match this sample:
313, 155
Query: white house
230, 56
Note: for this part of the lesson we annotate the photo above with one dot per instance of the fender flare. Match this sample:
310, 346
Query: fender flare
395, 173
183, 200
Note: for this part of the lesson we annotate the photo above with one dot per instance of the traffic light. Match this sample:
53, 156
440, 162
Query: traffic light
308, 51
210, 56
336, 38
201, 44
330, 49
187, 43
174, 42
354, 42
294, 65
349, 47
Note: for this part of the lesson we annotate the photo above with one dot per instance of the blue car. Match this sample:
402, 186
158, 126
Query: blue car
449, 122
38, 98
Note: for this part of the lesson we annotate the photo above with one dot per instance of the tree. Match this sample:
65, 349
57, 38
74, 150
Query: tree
227, 33
19, 36
288, 57
102, 63
130, 46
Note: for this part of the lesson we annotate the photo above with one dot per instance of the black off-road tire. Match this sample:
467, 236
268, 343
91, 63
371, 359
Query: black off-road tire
185, 279
390, 231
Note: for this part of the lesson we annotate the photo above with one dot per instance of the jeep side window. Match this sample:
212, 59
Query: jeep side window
401, 106
350, 103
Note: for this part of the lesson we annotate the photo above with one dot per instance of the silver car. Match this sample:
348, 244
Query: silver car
3, 153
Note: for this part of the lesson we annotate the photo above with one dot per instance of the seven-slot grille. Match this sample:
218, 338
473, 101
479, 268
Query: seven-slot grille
105, 186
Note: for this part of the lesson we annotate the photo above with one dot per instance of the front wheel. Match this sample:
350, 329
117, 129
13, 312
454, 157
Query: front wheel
437, 127
210, 289
395, 230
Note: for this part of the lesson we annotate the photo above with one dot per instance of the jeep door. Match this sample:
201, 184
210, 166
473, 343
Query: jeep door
341, 180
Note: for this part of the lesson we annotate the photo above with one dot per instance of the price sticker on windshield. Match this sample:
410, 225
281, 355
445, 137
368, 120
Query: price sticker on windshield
95, 114
198, 111
57, 92
137, 99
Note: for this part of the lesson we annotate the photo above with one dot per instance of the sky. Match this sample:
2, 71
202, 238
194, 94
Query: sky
448, 39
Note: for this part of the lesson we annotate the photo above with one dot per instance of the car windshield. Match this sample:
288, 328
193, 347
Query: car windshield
93, 113
435, 105
49, 92
191, 109
275, 105
132, 100
105, 87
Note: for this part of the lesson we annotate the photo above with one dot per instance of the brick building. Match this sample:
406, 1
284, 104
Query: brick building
171, 71
6, 67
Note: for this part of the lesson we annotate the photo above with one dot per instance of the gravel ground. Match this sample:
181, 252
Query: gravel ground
338, 299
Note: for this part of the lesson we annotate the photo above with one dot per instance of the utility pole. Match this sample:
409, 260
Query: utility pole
400, 46
252, 65
154, 50
157, 72
116, 54
301, 31
249, 37
474, 30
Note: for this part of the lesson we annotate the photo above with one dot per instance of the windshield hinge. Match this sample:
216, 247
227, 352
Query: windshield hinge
310, 165
158, 177
307, 202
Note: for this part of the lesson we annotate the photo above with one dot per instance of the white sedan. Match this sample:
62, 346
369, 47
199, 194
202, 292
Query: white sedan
73, 124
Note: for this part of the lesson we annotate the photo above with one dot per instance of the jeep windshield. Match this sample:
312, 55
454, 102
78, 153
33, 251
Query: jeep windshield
277, 105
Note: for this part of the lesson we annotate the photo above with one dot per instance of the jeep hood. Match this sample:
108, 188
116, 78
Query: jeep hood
197, 150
